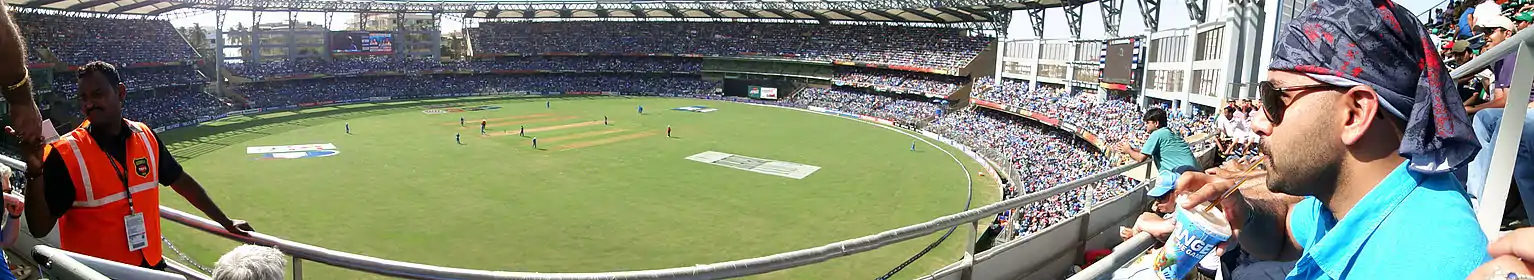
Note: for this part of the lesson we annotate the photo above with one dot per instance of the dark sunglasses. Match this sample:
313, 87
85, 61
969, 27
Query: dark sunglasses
1273, 98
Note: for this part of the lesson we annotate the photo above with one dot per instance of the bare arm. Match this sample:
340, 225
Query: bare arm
1265, 233
188, 188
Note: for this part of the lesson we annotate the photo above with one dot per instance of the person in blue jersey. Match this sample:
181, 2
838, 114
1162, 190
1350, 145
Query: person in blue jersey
458, 137
348, 128
461, 122
12, 226
641, 109
1361, 129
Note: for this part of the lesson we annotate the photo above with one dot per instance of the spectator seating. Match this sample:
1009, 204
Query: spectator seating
851, 101
282, 93
353, 66
924, 47
899, 81
122, 42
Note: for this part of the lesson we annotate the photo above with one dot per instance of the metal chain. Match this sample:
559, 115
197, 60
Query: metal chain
185, 258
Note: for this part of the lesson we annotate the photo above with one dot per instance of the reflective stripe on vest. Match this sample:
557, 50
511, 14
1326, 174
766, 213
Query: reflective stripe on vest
94, 226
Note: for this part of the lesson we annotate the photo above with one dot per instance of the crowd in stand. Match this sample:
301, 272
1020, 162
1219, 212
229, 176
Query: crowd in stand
79, 40
875, 105
139, 78
938, 48
171, 105
909, 82
516, 63
1046, 156
282, 93
1114, 119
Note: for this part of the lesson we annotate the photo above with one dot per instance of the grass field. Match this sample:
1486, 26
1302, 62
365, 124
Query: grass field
593, 198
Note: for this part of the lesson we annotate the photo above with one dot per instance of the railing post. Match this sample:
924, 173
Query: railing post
298, 268
1500, 176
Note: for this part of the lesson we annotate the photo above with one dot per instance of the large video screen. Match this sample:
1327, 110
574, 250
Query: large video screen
361, 42
1119, 67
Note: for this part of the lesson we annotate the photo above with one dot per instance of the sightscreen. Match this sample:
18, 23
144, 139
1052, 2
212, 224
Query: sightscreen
361, 43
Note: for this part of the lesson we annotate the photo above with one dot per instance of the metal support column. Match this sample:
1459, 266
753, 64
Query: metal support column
1073, 18
1150, 13
255, 37
1254, 31
1198, 10
1036, 17
292, 43
1112, 14
218, 51
1232, 49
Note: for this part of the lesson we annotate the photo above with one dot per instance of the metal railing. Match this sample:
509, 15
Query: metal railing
1499, 178
737, 268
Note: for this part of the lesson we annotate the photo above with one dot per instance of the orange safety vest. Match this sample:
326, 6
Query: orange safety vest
95, 225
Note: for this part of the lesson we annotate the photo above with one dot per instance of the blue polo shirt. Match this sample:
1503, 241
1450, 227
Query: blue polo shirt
1411, 226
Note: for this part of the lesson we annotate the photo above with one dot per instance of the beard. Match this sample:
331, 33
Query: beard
1307, 167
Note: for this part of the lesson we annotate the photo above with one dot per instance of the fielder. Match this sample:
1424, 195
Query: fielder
460, 122
522, 130
348, 128
482, 126
641, 109
913, 145
604, 120
668, 131
458, 137
535, 142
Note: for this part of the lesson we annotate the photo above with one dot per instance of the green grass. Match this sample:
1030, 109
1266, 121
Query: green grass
401, 188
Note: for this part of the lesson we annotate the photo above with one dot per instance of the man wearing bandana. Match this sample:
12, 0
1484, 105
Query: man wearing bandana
1362, 125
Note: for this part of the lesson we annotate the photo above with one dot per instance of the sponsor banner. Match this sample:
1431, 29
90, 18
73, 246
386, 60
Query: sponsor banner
988, 104
584, 93
380, 98
434, 111
244, 112
758, 165
695, 109
1024, 112
1092, 139
481, 108
307, 104
289, 148
1046, 119
884, 121
297, 155
1068, 127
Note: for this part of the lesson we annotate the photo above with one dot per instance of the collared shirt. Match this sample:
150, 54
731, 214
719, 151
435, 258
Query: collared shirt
1410, 226
1169, 151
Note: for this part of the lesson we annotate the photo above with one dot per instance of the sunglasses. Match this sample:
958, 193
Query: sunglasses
1273, 98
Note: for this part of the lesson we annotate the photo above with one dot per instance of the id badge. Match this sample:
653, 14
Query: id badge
137, 238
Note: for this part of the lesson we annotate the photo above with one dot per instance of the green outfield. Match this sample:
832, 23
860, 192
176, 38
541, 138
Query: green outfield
592, 197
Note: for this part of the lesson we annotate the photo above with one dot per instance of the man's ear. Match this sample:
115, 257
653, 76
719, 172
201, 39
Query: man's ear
122, 92
1361, 105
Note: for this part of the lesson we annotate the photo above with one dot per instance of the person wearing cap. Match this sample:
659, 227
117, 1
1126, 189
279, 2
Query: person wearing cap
1362, 129
1523, 18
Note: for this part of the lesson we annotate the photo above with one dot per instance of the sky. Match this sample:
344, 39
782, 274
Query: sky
1174, 14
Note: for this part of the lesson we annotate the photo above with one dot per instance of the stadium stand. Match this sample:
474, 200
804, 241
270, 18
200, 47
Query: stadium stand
295, 92
877, 105
342, 67
125, 42
934, 48
900, 81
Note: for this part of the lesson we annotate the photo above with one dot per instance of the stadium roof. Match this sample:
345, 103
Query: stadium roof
932, 11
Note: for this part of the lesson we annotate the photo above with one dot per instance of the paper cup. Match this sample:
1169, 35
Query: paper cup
1197, 234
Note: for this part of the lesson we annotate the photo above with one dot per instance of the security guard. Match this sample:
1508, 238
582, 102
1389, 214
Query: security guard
100, 182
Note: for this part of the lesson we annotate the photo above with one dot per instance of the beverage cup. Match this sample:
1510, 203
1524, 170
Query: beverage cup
1196, 236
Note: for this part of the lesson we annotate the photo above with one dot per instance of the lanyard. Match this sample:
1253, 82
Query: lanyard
121, 174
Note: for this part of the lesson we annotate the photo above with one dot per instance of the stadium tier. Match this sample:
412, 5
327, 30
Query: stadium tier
309, 91
932, 48
527, 64
127, 42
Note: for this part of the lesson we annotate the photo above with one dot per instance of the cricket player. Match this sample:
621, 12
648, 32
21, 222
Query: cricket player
668, 131
348, 128
461, 122
522, 130
458, 137
535, 142
913, 145
482, 123
604, 120
641, 109
548, 104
